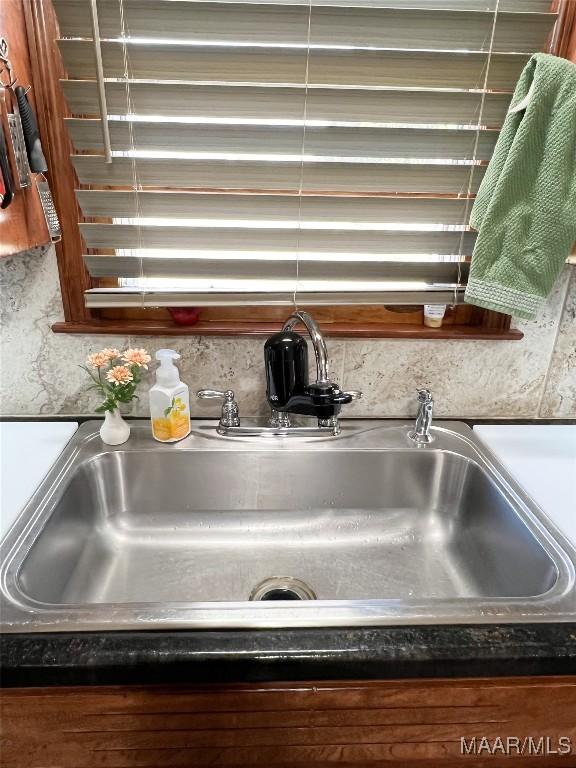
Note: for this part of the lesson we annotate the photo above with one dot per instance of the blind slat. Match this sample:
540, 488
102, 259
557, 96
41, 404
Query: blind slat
245, 266
339, 239
319, 176
432, 69
266, 24
320, 294
488, 6
403, 211
349, 141
182, 100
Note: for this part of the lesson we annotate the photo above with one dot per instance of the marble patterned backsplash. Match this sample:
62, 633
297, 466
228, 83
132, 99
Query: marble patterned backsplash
535, 377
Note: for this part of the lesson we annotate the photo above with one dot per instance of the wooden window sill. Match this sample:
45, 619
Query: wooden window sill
363, 331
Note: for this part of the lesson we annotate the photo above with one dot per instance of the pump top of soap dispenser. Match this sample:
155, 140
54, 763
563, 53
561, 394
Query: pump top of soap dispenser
167, 374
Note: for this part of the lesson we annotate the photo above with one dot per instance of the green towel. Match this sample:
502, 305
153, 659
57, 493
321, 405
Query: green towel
525, 210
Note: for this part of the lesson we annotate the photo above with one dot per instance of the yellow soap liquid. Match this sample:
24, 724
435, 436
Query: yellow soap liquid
174, 422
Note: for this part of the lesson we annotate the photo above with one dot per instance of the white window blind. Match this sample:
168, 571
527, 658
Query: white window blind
328, 148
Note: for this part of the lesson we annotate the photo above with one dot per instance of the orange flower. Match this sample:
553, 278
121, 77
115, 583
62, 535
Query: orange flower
118, 375
111, 353
139, 357
97, 360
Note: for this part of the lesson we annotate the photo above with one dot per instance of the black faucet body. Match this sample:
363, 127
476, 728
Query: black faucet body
288, 389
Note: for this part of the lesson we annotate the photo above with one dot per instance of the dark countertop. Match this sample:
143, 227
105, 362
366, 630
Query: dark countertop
117, 658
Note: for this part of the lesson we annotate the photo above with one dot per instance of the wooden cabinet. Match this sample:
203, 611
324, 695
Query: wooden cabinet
406, 723
22, 223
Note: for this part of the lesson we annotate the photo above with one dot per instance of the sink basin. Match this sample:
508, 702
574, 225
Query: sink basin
365, 528
135, 527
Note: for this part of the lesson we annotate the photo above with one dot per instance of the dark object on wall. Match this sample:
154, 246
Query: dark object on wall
22, 221
52, 220
19, 149
36, 158
6, 182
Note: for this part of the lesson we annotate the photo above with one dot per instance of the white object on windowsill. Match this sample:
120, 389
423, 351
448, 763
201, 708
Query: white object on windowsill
434, 315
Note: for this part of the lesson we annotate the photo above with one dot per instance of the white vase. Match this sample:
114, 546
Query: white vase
114, 430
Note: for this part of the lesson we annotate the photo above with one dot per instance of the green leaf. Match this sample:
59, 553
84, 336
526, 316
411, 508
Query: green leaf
170, 407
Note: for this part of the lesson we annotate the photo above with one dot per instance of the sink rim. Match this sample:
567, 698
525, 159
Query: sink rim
20, 613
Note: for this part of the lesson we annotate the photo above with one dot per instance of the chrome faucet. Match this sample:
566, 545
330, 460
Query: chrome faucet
317, 342
421, 433
288, 390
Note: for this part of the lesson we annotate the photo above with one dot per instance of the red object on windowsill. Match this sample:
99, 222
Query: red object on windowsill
184, 315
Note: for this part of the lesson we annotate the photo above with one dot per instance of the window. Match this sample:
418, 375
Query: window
323, 149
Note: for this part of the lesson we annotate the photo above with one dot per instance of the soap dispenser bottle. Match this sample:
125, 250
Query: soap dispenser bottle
169, 400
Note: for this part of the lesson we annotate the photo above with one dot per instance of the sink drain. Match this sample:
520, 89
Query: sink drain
282, 588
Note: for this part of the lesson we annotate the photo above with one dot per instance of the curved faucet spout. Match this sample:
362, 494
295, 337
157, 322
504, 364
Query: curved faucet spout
317, 342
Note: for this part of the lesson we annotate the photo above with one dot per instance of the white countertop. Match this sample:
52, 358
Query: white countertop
27, 452
542, 458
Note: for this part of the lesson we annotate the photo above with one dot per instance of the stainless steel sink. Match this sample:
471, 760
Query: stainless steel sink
360, 529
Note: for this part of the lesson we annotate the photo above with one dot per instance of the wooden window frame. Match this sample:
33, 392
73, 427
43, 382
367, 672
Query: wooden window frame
462, 322
565, 45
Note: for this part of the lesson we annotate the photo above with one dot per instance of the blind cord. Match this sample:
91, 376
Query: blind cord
475, 150
303, 150
136, 184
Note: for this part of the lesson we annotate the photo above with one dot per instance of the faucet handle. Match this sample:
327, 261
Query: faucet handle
346, 397
421, 433
211, 394
230, 412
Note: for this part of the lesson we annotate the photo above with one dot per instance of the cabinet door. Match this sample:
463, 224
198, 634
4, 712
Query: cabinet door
406, 723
